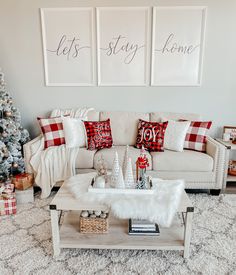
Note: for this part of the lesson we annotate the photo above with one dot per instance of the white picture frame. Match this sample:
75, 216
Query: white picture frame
123, 54
178, 45
68, 47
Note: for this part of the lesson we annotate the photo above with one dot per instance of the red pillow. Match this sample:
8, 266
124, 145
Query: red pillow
196, 135
151, 135
98, 134
52, 129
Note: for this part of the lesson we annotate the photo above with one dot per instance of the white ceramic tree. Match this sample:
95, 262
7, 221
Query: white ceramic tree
120, 180
129, 178
126, 158
115, 170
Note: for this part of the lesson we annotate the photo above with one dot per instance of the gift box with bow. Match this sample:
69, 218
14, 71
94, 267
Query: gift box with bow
23, 181
7, 199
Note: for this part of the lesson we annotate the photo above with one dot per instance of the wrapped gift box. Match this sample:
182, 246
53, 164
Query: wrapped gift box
7, 199
23, 181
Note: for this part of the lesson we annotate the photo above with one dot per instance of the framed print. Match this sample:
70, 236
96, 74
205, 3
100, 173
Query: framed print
123, 43
230, 131
177, 45
68, 46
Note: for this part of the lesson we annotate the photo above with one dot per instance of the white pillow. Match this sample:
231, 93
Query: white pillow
75, 134
175, 135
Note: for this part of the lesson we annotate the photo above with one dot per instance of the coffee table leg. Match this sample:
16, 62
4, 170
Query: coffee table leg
187, 230
55, 232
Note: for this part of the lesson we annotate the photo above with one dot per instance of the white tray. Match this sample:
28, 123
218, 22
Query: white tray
111, 190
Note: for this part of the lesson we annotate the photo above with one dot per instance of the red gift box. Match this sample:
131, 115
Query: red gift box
23, 181
7, 199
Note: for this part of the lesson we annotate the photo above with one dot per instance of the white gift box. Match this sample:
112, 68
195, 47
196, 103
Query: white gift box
25, 196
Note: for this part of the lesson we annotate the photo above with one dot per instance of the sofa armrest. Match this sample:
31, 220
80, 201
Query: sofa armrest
29, 149
217, 151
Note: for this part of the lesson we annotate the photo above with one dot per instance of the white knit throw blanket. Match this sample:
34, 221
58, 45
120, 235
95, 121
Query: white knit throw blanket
53, 165
159, 207
56, 163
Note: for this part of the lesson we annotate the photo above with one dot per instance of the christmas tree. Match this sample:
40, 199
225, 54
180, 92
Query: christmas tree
115, 170
126, 159
12, 135
120, 180
129, 178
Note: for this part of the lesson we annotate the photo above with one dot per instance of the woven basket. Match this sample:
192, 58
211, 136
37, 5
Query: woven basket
93, 225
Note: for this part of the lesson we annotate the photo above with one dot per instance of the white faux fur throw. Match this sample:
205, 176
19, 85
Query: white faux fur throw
159, 207
52, 165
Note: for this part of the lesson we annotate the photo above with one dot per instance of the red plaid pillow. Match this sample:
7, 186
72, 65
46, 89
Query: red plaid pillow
98, 134
196, 135
151, 135
52, 129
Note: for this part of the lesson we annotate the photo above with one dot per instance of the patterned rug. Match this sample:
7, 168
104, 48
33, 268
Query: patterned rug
26, 248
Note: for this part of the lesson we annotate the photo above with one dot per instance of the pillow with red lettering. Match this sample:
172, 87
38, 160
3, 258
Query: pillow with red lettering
98, 134
151, 135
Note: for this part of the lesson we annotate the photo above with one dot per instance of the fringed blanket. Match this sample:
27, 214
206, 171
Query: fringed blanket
53, 165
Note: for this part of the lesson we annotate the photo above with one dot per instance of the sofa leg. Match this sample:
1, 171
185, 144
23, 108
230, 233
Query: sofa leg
215, 192
36, 189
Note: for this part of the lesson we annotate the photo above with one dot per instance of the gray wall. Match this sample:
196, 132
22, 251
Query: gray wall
22, 61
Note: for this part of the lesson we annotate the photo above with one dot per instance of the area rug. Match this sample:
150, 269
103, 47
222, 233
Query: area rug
26, 247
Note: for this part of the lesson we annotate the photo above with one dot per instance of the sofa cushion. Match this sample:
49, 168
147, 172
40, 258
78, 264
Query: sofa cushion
74, 131
151, 135
84, 159
175, 135
98, 134
196, 135
124, 126
109, 154
158, 116
181, 161
52, 130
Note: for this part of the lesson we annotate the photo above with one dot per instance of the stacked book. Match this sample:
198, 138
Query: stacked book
143, 227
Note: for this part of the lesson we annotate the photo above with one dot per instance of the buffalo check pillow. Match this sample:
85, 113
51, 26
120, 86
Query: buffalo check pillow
151, 135
52, 129
196, 135
98, 134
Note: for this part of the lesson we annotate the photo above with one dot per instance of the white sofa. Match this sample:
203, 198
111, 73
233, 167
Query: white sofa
199, 170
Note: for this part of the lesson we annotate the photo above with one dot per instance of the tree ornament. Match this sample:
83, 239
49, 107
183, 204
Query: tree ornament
126, 158
15, 165
115, 170
8, 113
129, 178
120, 180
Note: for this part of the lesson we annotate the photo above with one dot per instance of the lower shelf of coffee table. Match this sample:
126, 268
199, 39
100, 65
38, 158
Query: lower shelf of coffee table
117, 237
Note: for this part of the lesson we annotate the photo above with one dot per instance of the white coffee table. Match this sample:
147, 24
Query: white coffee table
67, 235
